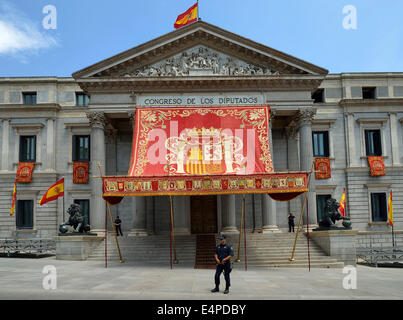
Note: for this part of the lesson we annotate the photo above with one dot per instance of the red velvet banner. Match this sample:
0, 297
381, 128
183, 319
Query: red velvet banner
377, 166
80, 172
24, 172
179, 141
322, 168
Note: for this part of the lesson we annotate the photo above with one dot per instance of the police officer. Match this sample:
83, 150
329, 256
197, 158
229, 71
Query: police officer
223, 254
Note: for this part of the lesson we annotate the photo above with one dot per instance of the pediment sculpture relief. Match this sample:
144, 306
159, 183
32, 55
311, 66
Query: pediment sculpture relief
200, 61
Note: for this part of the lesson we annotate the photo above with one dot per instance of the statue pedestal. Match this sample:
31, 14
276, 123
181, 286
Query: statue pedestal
339, 244
77, 247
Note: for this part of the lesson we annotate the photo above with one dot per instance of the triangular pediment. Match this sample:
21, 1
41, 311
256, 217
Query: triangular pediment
199, 49
199, 61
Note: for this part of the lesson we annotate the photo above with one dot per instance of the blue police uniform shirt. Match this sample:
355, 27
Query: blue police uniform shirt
224, 251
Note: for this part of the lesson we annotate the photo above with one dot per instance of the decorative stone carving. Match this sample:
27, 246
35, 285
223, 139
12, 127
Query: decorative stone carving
200, 61
291, 131
97, 119
305, 116
132, 117
273, 113
111, 135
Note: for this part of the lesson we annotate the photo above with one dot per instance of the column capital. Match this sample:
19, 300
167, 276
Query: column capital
305, 116
97, 119
132, 117
111, 135
291, 131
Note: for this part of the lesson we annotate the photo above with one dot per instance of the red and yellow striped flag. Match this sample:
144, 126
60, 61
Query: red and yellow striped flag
187, 17
390, 209
54, 192
342, 203
14, 196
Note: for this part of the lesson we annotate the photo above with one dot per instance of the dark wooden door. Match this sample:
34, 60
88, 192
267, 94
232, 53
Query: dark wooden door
203, 212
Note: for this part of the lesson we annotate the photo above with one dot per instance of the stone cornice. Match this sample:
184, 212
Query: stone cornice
371, 102
201, 83
30, 107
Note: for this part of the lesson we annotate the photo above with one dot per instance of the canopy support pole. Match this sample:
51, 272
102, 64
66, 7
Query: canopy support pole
240, 229
113, 225
300, 215
176, 261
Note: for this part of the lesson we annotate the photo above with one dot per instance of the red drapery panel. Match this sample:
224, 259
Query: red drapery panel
179, 141
377, 166
322, 168
286, 196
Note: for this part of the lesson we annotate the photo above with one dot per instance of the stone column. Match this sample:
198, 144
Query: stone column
181, 215
394, 139
5, 145
304, 119
351, 140
139, 227
269, 218
228, 214
98, 122
293, 161
50, 145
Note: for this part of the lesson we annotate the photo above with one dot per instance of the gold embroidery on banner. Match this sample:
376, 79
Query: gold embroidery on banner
256, 118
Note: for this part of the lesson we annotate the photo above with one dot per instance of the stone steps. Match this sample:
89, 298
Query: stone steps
263, 250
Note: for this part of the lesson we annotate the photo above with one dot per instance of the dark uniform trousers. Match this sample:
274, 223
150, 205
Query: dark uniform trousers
226, 267
222, 252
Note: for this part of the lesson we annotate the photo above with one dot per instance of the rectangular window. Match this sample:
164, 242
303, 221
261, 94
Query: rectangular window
378, 207
368, 93
29, 97
320, 141
318, 96
27, 148
81, 148
25, 214
373, 145
321, 204
82, 99
85, 209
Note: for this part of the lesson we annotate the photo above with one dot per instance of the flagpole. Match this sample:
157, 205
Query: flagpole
63, 199
198, 10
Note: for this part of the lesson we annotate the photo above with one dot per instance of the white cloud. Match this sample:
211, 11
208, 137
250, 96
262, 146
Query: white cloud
19, 34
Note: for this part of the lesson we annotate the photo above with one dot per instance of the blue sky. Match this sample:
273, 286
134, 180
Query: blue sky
88, 31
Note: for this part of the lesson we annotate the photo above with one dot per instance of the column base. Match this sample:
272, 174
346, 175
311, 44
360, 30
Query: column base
311, 227
271, 229
99, 232
137, 233
226, 230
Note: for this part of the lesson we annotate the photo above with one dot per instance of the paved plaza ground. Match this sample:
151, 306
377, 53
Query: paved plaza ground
21, 278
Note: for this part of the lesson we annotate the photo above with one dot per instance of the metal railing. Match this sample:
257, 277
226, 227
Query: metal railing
375, 256
33, 246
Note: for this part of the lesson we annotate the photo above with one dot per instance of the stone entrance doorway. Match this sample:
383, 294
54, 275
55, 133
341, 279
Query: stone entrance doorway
203, 214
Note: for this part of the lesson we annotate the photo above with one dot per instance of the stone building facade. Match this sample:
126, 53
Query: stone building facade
201, 64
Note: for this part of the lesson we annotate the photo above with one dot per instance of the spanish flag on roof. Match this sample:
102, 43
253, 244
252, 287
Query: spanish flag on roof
54, 192
187, 17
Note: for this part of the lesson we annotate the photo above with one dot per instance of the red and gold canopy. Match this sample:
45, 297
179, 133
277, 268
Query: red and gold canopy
202, 150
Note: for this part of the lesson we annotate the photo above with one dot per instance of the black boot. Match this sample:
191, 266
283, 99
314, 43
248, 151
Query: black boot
215, 289
226, 290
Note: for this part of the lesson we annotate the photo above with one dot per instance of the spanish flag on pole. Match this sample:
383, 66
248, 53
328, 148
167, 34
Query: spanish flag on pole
54, 192
342, 203
14, 196
390, 209
187, 17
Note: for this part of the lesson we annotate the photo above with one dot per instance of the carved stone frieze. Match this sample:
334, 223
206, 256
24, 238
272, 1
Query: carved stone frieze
200, 61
